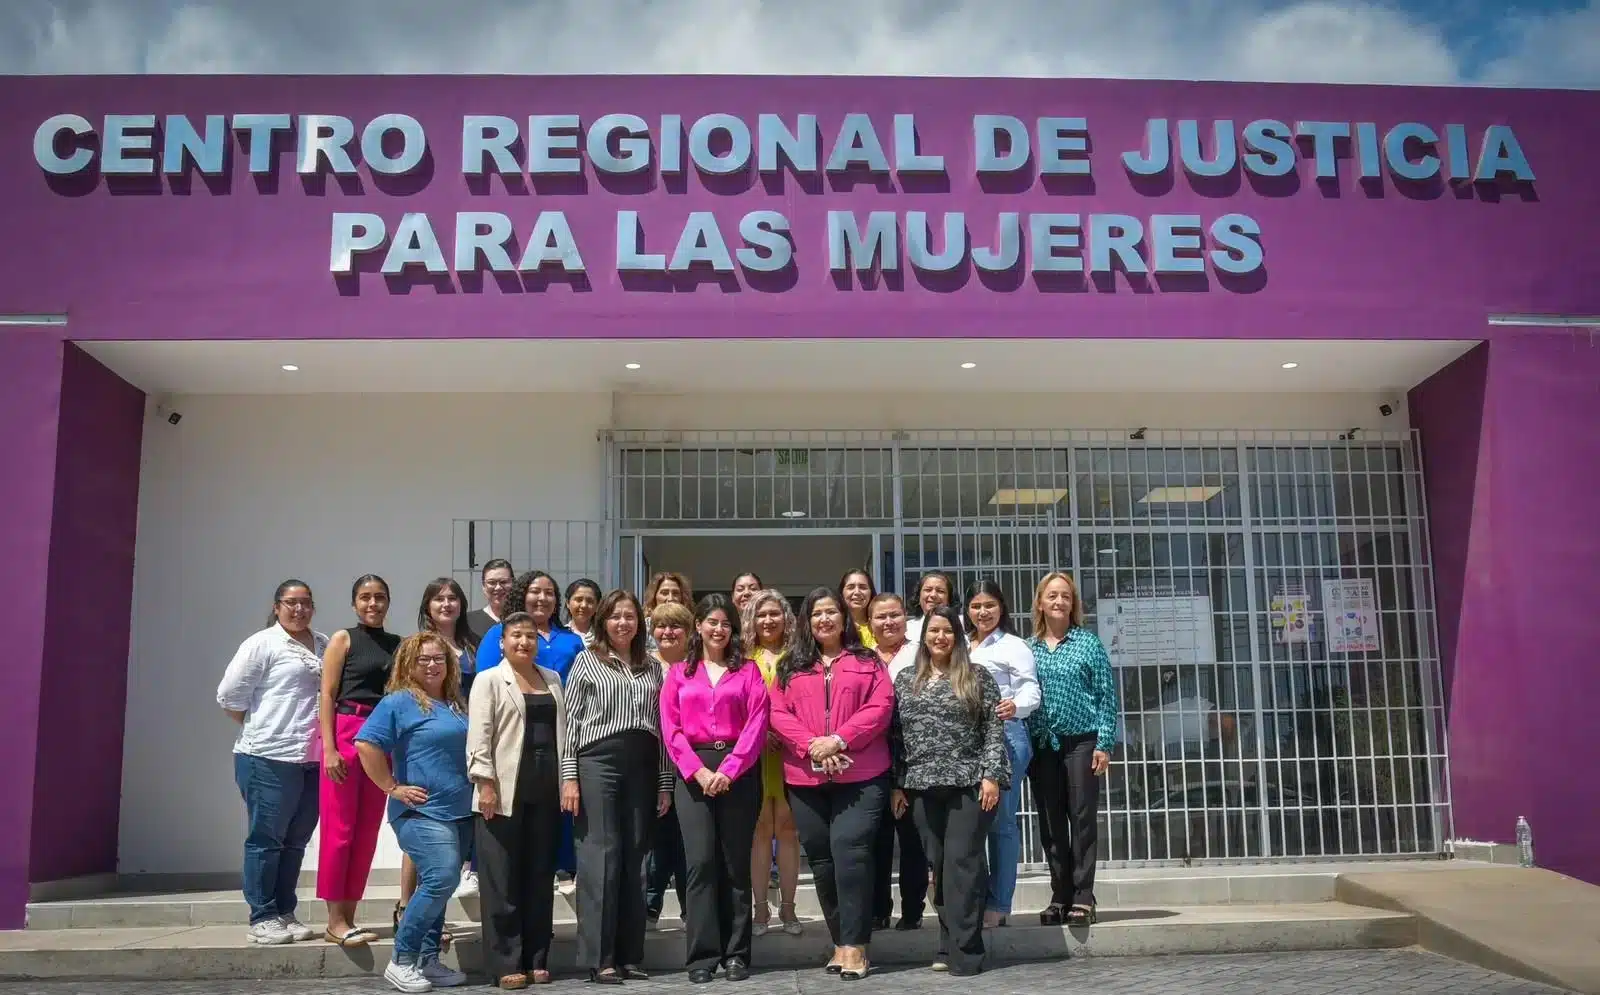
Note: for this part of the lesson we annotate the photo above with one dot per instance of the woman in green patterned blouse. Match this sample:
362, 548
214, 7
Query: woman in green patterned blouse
1073, 732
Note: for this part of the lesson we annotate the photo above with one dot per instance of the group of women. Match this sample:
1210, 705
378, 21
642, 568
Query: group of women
711, 742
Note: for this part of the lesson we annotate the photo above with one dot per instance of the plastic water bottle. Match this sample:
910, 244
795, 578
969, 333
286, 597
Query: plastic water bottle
1524, 842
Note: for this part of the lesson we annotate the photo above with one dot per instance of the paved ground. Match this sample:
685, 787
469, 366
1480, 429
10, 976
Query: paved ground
1387, 972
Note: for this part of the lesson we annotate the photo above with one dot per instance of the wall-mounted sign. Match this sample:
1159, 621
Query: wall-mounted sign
1006, 154
1350, 610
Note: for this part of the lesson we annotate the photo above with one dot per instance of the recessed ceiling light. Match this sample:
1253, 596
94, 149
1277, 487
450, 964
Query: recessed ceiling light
290, 368
1290, 366
631, 366
968, 366
794, 514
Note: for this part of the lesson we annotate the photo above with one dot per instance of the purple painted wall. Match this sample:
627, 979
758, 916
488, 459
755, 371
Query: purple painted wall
29, 407
1512, 460
197, 258
77, 788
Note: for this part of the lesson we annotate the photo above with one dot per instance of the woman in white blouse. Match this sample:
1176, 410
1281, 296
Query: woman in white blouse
993, 643
272, 688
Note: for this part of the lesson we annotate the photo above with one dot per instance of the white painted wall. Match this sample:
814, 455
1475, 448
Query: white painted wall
249, 490
868, 408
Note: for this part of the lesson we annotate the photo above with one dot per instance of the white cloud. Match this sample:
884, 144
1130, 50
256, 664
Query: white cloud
1311, 40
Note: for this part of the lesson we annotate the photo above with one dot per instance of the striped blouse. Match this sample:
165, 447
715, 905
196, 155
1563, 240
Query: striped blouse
606, 699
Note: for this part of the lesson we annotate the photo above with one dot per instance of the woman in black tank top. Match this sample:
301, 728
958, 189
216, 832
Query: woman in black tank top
355, 672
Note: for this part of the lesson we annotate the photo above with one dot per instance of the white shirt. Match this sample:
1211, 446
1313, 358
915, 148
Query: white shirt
1010, 660
905, 656
277, 683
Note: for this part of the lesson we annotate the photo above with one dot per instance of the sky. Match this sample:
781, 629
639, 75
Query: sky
1545, 43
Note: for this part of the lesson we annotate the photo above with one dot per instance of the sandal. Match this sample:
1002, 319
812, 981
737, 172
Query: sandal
512, 982
761, 921
790, 919
350, 938
1081, 915
539, 977
1053, 915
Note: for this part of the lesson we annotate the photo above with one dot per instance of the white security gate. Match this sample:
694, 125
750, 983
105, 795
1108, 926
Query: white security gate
1266, 598
567, 550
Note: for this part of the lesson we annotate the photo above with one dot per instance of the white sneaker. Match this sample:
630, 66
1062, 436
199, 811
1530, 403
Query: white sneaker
442, 975
297, 929
407, 978
269, 932
468, 886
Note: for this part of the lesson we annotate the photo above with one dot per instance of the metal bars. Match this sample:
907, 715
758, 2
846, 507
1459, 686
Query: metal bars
567, 550
1266, 598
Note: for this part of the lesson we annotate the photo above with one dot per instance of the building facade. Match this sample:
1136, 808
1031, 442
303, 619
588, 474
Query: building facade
1299, 381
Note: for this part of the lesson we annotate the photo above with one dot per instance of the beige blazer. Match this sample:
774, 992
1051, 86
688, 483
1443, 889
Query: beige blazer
495, 723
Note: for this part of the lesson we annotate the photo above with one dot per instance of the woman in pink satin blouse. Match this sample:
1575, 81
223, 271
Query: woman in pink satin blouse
714, 725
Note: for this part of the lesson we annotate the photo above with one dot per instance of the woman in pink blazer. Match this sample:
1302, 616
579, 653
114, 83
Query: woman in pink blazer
832, 706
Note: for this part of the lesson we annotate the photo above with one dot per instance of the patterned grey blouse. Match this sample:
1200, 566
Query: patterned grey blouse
939, 743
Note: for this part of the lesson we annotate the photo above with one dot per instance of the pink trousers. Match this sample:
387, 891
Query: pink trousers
352, 813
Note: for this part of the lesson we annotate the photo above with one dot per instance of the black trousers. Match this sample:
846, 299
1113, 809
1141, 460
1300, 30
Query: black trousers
955, 833
913, 867
837, 824
616, 812
1068, 796
665, 865
517, 871
716, 848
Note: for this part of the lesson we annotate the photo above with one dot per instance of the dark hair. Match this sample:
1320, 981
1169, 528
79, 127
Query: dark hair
463, 635
872, 588
962, 673
574, 588
285, 588
638, 658
517, 597
496, 564
985, 585
916, 596
748, 573
366, 579
803, 652
734, 654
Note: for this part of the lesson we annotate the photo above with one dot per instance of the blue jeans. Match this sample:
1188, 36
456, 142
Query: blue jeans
435, 848
280, 804
1005, 836
665, 864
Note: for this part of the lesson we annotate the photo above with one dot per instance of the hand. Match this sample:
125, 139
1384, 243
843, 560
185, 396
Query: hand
720, 783
488, 799
898, 803
703, 777
1101, 762
409, 795
838, 763
988, 795
824, 747
1007, 709
333, 766
663, 803
569, 797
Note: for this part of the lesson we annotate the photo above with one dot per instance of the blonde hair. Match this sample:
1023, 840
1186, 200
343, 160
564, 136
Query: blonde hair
747, 621
674, 613
406, 674
654, 588
1074, 620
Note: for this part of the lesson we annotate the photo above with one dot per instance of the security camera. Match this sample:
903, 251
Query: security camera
164, 409
174, 417
1385, 410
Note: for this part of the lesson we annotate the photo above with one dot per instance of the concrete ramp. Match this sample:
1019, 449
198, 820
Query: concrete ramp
1532, 923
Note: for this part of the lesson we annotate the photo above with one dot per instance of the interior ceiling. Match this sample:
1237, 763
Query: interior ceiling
679, 366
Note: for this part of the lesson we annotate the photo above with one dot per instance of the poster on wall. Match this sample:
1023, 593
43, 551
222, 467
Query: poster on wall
1157, 631
1350, 611
1290, 616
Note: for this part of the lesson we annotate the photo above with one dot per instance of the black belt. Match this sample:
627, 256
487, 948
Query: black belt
720, 744
352, 708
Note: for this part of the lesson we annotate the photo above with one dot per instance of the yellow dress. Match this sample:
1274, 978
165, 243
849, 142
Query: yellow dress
771, 760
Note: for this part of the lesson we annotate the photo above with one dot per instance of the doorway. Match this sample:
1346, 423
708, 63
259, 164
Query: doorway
791, 561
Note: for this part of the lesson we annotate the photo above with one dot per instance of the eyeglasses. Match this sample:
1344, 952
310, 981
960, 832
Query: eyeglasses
428, 661
497, 583
296, 603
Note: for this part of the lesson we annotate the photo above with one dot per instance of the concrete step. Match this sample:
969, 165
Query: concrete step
221, 952
1142, 888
